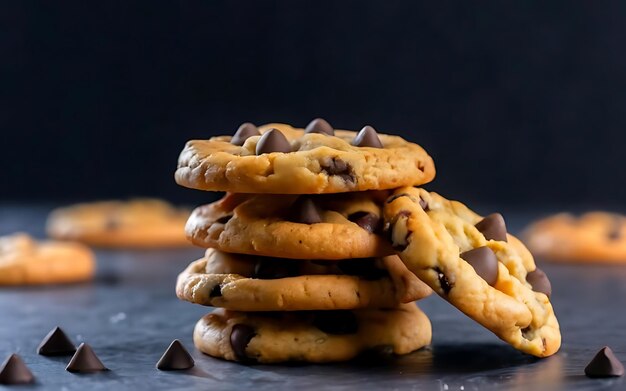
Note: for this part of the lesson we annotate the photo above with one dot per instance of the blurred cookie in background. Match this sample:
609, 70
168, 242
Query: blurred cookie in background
590, 237
25, 261
136, 223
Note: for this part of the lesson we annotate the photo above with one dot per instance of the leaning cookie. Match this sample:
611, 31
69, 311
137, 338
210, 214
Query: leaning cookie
139, 223
476, 266
247, 283
591, 237
338, 226
24, 261
311, 336
280, 159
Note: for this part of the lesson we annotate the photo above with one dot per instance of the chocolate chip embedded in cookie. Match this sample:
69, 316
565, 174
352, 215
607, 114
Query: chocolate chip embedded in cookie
252, 283
310, 336
280, 159
476, 266
25, 261
592, 237
338, 226
138, 223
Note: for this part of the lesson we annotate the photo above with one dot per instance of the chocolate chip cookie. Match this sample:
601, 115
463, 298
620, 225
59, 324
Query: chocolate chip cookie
591, 237
280, 159
311, 336
24, 261
252, 283
138, 223
475, 265
337, 226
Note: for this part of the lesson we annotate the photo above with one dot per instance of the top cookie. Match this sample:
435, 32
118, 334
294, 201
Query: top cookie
591, 237
138, 223
280, 159
474, 264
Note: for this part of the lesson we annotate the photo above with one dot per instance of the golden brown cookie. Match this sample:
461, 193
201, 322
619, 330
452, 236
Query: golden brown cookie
280, 159
24, 261
138, 223
252, 283
311, 336
591, 237
337, 226
476, 266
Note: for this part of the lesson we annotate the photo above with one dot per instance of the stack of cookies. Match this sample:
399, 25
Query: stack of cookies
322, 243
296, 262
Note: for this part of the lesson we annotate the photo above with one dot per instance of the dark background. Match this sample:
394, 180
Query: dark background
519, 103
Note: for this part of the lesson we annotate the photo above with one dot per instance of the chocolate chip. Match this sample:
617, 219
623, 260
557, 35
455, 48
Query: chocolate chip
56, 343
604, 364
224, 219
336, 322
304, 211
176, 357
273, 141
85, 360
216, 291
403, 244
367, 137
319, 125
245, 131
240, 337
269, 269
424, 205
14, 371
365, 268
539, 282
336, 167
444, 283
484, 262
366, 220
615, 231
111, 223
493, 227
527, 333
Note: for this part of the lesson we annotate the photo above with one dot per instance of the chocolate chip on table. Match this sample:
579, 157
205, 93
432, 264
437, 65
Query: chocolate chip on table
56, 343
336, 322
493, 227
240, 337
366, 220
604, 364
270, 269
539, 282
305, 211
444, 283
319, 125
85, 360
176, 357
484, 262
367, 137
336, 167
14, 371
273, 141
245, 131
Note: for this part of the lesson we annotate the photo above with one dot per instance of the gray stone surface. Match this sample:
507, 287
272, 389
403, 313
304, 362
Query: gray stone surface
130, 314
